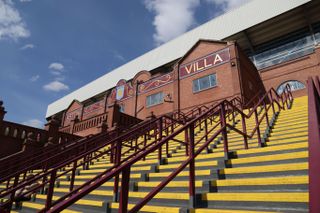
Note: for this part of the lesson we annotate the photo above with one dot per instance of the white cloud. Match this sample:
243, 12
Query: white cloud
172, 17
55, 86
25, 0
56, 68
11, 24
34, 78
27, 46
227, 5
34, 122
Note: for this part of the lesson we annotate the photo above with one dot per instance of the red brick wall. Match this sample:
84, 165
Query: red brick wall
236, 77
298, 69
250, 80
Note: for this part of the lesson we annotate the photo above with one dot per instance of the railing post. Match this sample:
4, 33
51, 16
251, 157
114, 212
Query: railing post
206, 131
15, 183
73, 175
244, 129
314, 146
272, 103
52, 128
160, 137
116, 178
258, 128
191, 168
224, 130
144, 142
186, 139
267, 118
50, 189
123, 205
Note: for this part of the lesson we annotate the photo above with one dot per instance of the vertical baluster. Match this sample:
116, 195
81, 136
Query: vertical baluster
206, 132
244, 129
186, 140
224, 131
50, 189
272, 103
116, 178
73, 175
160, 137
191, 167
258, 128
144, 143
267, 118
124, 194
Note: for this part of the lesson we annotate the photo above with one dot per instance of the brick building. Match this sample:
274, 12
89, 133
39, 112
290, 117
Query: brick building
260, 45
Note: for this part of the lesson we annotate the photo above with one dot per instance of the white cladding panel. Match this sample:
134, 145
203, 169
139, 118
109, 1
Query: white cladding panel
232, 22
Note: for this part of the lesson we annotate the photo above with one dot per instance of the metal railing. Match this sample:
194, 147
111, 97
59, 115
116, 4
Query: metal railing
271, 102
314, 143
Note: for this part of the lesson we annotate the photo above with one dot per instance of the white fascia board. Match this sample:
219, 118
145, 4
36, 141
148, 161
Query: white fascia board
230, 23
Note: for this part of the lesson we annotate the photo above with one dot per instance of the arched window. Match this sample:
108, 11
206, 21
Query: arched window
294, 85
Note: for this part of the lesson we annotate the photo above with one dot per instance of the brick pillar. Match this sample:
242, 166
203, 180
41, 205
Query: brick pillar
2, 113
31, 144
72, 123
113, 115
53, 128
103, 127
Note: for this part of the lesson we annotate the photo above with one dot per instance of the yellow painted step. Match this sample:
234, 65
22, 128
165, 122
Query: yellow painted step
275, 157
148, 208
299, 197
39, 206
274, 148
79, 202
197, 164
268, 168
170, 184
141, 168
285, 180
225, 211
181, 174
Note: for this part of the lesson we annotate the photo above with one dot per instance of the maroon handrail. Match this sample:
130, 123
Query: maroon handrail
224, 108
314, 143
124, 168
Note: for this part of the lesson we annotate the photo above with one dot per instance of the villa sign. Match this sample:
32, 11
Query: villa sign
204, 63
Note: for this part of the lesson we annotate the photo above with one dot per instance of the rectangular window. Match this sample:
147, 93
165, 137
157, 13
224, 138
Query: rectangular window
154, 99
204, 83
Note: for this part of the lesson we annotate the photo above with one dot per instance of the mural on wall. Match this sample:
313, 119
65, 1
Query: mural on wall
155, 83
204, 63
93, 109
122, 91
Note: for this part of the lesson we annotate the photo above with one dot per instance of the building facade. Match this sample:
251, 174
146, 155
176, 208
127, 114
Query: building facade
279, 50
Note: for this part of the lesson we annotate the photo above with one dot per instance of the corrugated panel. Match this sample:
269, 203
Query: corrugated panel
239, 19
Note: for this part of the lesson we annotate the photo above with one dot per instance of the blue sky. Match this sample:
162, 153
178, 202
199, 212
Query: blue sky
49, 48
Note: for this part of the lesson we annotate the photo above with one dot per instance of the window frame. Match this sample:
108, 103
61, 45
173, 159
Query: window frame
161, 102
210, 87
292, 89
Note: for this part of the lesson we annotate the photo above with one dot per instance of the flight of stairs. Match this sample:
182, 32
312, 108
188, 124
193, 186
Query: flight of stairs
269, 179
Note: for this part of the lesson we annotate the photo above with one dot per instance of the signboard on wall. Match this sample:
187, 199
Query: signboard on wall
204, 63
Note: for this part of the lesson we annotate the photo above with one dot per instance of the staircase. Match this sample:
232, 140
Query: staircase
269, 179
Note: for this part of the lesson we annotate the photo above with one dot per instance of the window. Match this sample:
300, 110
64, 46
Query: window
121, 108
204, 83
154, 99
294, 85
